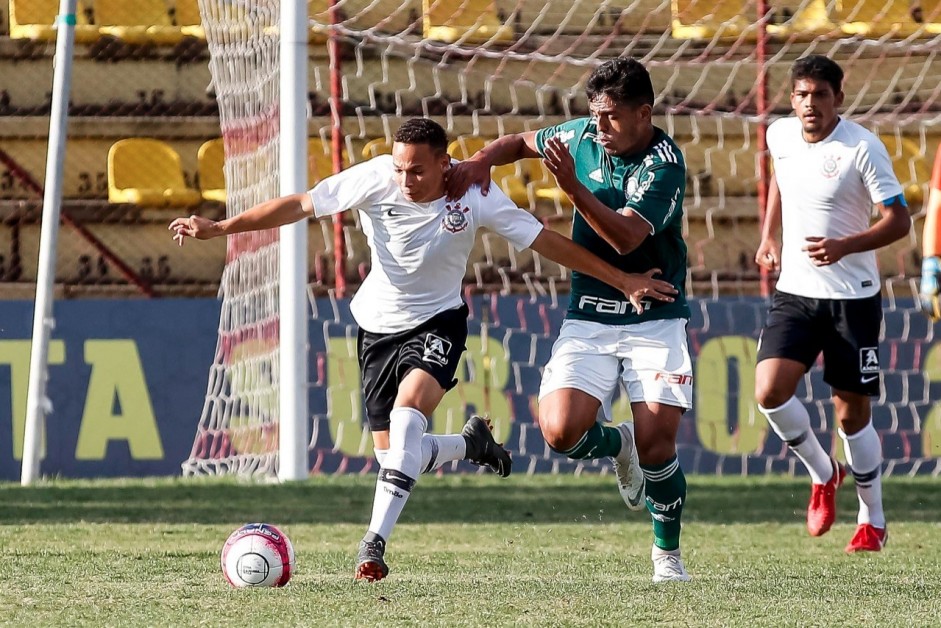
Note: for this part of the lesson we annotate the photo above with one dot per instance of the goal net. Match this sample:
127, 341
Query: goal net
484, 68
238, 429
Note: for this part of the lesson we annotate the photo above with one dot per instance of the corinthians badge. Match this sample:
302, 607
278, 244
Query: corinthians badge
455, 217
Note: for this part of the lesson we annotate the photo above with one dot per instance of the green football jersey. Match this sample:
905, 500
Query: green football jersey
652, 183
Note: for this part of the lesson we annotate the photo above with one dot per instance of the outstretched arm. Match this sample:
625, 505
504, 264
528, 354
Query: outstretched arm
563, 251
268, 215
476, 169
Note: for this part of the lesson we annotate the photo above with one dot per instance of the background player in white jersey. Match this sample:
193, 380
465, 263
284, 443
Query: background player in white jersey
829, 173
412, 319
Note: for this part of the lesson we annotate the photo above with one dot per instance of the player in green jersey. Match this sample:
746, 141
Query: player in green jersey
627, 180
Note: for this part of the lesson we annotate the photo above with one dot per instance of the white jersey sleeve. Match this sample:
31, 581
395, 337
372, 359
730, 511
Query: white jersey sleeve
875, 167
502, 216
357, 187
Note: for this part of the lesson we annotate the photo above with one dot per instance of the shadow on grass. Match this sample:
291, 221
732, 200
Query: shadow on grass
449, 499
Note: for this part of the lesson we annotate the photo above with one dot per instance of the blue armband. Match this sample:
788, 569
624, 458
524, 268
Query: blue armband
898, 198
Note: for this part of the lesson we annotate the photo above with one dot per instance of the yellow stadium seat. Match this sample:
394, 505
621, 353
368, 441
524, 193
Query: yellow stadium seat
320, 160
137, 22
147, 172
710, 19
931, 16
811, 19
189, 20
876, 18
466, 21
376, 147
36, 19
211, 169
909, 165
513, 179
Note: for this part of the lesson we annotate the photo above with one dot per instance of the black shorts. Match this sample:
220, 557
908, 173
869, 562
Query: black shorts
845, 330
435, 347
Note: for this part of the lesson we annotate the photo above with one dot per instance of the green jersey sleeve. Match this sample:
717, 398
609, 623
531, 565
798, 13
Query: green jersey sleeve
656, 193
566, 131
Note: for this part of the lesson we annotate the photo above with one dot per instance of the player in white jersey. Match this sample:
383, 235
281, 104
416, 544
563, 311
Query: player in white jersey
829, 173
412, 319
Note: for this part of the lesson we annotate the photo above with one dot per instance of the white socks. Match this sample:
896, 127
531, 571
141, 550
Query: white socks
399, 470
436, 451
791, 423
864, 454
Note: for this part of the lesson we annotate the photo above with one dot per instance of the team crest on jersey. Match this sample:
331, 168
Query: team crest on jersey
830, 167
634, 190
436, 349
455, 217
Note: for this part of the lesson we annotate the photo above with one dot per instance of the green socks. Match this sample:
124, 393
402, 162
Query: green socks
666, 495
600, 441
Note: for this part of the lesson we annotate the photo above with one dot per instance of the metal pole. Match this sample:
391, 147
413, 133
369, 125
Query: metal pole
37, 403
293, 411
336, 143
761, 53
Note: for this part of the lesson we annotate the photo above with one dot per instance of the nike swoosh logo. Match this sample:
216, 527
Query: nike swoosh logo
394, 214
866, 380
640, 496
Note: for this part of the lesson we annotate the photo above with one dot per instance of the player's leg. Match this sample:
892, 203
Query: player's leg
657, 372
580, 376
418, 395
788, 346
852, 369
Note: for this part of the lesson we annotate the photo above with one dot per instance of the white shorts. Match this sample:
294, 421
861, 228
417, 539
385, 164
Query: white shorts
652, 358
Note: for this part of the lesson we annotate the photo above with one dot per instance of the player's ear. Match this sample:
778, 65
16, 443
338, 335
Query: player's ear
838, 100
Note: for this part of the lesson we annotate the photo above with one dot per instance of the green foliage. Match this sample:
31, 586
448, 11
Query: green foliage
470, 551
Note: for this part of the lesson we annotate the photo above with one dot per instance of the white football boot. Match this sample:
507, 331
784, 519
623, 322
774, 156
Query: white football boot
627, 466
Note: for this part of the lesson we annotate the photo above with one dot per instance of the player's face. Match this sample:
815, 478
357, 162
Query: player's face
621, 128
816, 105
419, 171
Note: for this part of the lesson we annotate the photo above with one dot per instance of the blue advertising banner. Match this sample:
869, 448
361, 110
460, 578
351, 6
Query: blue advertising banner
127, 381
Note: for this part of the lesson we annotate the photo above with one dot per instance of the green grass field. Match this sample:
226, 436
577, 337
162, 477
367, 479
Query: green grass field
470, 551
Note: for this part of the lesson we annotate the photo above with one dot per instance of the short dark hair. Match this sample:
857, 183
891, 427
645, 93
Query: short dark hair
423, 131
625, 81
818, 68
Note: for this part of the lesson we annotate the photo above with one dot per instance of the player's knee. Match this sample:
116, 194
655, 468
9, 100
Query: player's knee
655, 449
770, 394
559, 433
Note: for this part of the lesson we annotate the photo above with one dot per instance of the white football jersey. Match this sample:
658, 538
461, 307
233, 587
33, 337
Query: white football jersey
418, 251
828, 189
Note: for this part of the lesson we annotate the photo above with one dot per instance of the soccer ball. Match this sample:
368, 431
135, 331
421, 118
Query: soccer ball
258, 555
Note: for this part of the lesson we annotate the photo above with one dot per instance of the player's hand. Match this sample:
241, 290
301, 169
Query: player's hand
929, 288
639, 287
769, 254
194, 227
824, 251
461, 176
560, 163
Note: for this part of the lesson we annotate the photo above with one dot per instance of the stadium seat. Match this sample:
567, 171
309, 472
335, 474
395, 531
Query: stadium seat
210, 166
931, 16
876, 18
811, 19
710, 19
513, 179
138, 22
147, 172
469, 21
36, 19
189, 20
909, 164
376, 147
320, 161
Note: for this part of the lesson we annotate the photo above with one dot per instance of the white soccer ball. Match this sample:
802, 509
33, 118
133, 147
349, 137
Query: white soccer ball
258, 555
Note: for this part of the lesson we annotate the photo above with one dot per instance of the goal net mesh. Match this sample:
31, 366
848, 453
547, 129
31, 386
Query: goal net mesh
483, 68
238, 429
